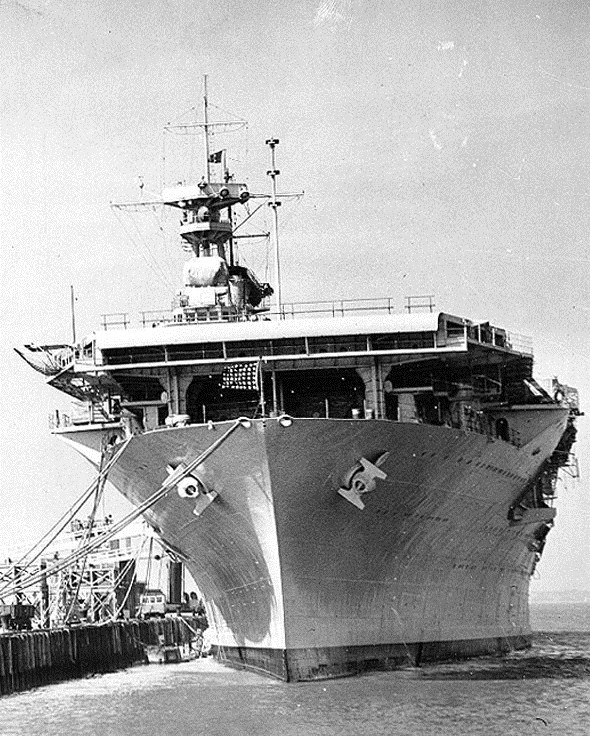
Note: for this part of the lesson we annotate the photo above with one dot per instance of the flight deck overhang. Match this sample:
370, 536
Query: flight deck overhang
287, 362
269, 330
414, 336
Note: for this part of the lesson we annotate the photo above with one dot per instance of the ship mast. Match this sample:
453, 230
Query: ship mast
231, 292
206, 126
273, 172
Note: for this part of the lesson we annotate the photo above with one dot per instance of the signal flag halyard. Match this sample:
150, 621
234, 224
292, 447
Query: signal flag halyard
241, 376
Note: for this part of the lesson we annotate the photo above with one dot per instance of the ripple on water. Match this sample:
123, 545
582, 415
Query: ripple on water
542, 690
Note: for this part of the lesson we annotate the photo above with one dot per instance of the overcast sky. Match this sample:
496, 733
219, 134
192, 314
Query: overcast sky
443, 148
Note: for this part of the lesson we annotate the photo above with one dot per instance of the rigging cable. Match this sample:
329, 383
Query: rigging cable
119, 580
165, 239
237, 119
173, 479
153, 257
66, 518
160, 275
99, 493
148, 571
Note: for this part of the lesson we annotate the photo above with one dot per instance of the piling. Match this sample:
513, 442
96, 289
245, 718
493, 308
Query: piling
29, 659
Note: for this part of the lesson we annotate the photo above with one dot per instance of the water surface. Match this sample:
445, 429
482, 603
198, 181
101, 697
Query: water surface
541, 691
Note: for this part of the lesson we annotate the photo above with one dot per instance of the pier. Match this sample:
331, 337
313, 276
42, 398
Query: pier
29, 659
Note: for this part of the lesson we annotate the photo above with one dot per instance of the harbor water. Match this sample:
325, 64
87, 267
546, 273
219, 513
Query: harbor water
543, 690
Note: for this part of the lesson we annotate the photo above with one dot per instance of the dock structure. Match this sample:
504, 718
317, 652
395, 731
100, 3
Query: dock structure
79, 609
34, 658
102, 585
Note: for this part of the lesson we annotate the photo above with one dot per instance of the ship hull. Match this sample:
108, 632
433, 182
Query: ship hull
302, 584
325, 663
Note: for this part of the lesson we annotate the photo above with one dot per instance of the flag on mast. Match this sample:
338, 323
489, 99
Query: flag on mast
216, 158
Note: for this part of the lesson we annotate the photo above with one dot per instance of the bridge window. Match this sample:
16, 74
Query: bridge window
248, 348
338, 344
144, 354
289, 346
403, 341
196, 351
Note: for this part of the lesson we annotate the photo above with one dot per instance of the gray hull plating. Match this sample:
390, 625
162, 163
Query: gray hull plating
303, 584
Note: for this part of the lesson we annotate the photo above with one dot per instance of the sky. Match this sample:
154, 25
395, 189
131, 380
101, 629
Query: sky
442, 148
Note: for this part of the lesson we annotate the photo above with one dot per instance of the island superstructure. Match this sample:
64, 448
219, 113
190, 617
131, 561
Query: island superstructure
351, 488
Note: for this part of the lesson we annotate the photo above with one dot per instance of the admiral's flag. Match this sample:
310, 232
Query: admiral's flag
216, 158
241, 376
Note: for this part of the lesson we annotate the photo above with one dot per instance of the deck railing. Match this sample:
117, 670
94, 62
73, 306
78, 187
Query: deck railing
334, 308
520, 343
330, 308
290, 310
115, 319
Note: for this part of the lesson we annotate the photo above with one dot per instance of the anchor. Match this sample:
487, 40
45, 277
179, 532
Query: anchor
191, 486
362, 478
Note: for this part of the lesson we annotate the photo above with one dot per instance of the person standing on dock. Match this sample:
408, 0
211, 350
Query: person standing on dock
198, 643
196, 605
